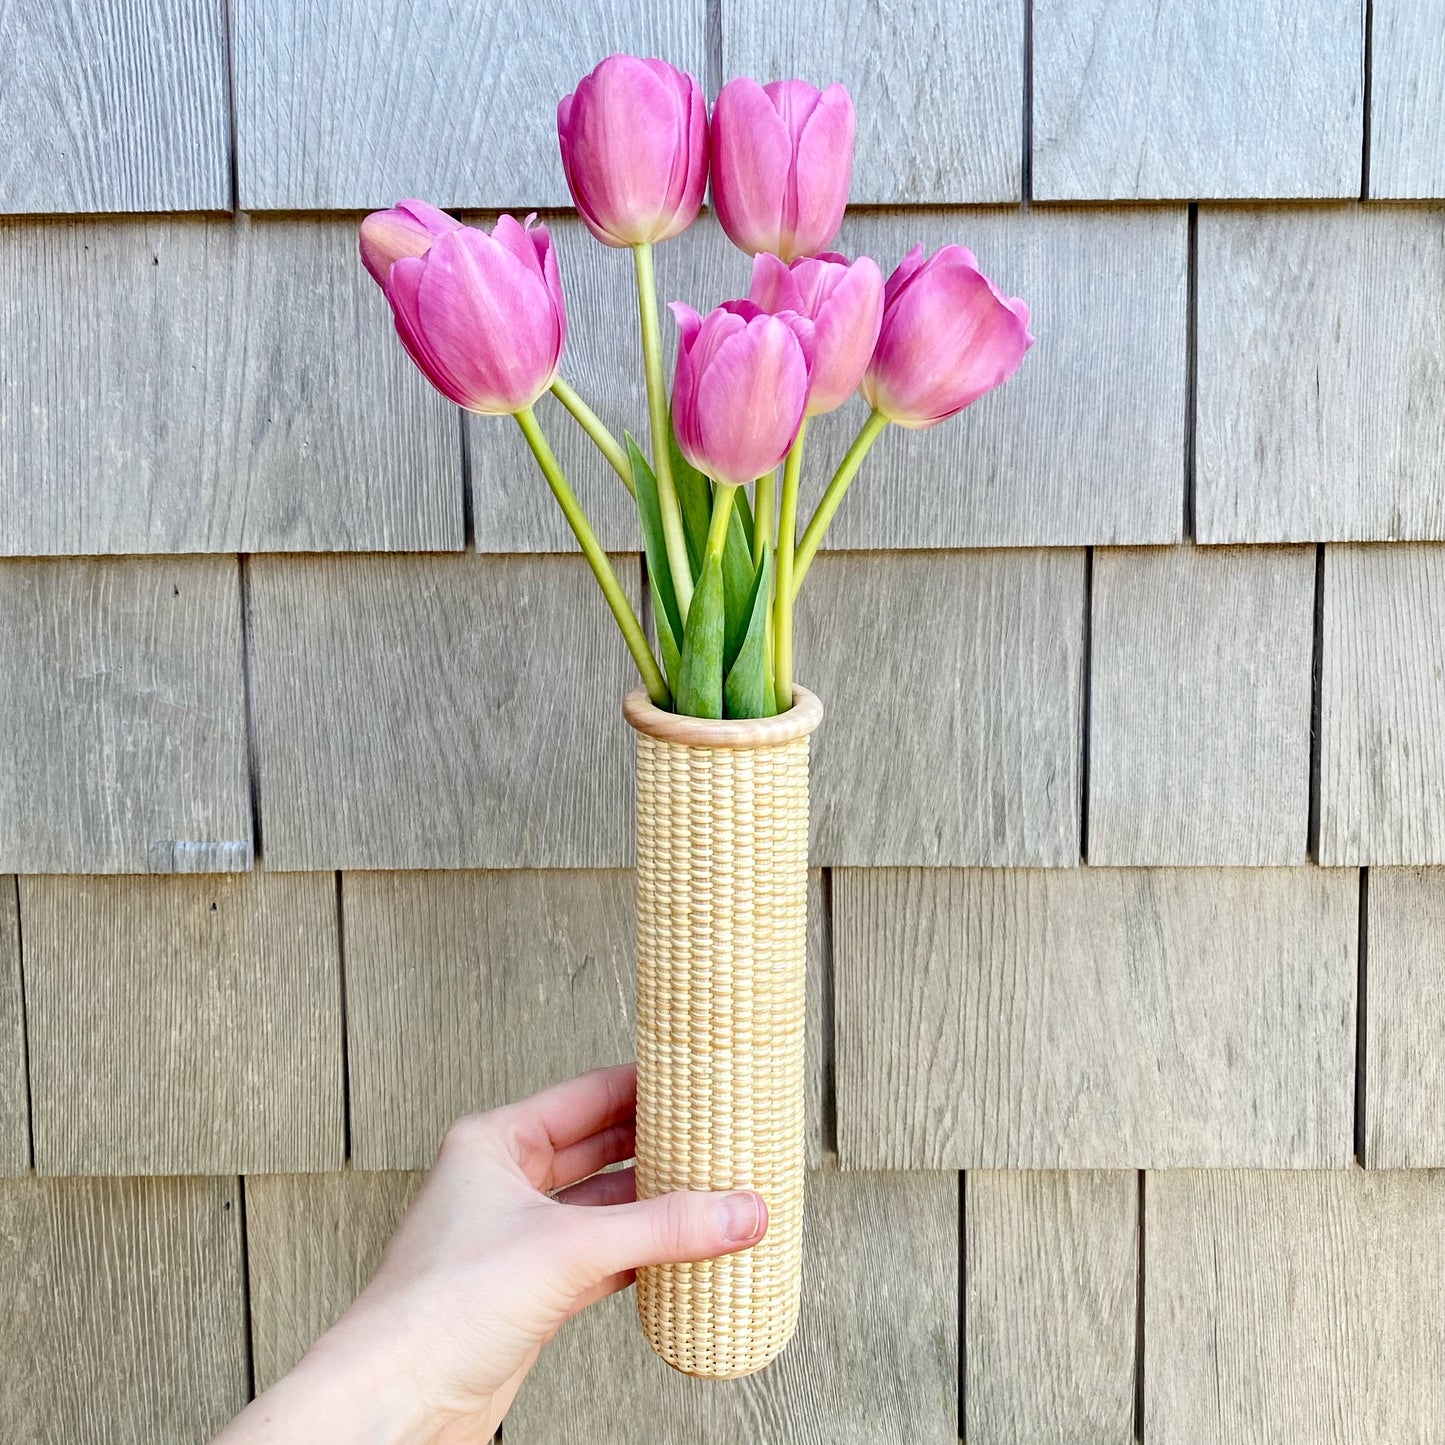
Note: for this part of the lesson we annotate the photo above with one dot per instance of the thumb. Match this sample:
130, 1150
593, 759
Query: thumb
671, 1229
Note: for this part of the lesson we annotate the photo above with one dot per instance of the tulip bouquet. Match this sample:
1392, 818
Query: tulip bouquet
482, 315
722, 729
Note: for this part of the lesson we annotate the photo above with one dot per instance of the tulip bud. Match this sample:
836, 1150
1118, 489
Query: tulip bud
634, 149
782, 160
845, 305
740, 388
408, 229
948, 337
482, 315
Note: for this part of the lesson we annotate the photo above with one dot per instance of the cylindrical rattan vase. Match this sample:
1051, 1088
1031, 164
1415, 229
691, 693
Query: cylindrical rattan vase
722, 925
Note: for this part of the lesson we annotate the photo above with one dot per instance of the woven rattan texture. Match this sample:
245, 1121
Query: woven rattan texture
722, 897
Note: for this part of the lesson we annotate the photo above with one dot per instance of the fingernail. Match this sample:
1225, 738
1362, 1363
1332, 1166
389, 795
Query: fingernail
741, 1215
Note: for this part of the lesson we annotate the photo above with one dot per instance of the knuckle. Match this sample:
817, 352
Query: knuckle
468, 1137
674, 1225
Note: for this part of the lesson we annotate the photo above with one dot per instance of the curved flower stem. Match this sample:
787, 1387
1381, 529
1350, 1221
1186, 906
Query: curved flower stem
672, 533
592, 424
783, 597
617, 602
724, 499
871, 430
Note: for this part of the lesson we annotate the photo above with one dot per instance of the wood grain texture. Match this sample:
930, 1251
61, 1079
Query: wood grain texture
1051, 1282
346, 105
1199, 705
121, 706
1407, 98
1321, 338
122, 1313
923, 137
951, 693
1137, 100
312, 1243
1086, 443
1405, 1019
441, 712
1095, 1018
279, 415
1382, 723
875, 1356
511, 504
183, 1025
14, 1099
1294, 1306
114, 107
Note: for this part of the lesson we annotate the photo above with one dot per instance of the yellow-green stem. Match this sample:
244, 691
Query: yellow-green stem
764, 505
593, 425
617, 602
818, 524
783, 596
672, 534
724, 499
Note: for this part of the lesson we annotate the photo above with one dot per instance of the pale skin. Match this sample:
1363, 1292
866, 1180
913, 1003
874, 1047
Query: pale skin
514, 1232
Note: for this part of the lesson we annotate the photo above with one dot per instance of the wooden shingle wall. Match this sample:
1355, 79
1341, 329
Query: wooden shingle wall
1127, 1002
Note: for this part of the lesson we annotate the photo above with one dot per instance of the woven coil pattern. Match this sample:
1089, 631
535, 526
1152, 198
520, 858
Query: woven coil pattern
722, 897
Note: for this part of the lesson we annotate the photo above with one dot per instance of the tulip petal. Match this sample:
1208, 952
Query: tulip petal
774, 287
822, 172
752, 156
402, 283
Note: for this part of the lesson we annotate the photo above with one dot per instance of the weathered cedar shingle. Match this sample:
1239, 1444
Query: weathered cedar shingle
1095, 1018
121, 706
875, 1357
183, 1025
1051, 1275
951, 691
14, 1117
122, 1317
1320, 336
1293, 1306
345, 106
211, 386
441, 712
1199, 705
114, 107
1407, 98
939, 110
1138, 100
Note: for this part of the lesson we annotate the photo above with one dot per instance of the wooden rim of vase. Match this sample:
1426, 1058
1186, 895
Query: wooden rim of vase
705, 732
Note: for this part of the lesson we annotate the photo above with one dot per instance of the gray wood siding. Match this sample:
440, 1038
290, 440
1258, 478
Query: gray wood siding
1140, 100
14, 1096
121, 705
1199, 712
1407, 98
951, 683
1321, 332
875, 1357
1293, 1306
211, 386
122, 1320
343, 105
1382, 749
1094, 1018
923, 137
210, 1042
441, 712
114, 106
1051, 1283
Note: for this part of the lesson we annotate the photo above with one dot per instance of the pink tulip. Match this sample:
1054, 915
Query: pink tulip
482, 315
845, 305
948, 337
782, 159
634, 149
408, 229
740, 388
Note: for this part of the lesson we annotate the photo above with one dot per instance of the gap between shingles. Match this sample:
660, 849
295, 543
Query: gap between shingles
248, 690
1086, 703
1317, 658
233, 130
1026, 164
1191, 368
1366, 100
828, 1123
250, 1338
1139, 1321
24, 1029
469, 512
1362, 975
962, 1382
345, 1034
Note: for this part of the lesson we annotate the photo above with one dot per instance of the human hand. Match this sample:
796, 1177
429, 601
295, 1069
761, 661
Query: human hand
513, 1233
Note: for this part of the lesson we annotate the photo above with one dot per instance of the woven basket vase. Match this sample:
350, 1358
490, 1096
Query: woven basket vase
722, 923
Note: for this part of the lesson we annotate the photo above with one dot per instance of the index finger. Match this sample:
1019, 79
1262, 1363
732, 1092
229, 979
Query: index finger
582, 1106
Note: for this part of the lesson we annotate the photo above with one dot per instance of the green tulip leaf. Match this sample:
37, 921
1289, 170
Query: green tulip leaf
666, 637
694, 499
700, 669
747, 693
649, 515
737, 573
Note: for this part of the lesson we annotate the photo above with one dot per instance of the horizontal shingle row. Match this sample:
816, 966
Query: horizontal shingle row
340, 106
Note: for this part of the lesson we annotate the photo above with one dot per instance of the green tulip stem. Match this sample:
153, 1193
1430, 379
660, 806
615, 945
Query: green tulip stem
871, 430
724, 499
617, 602
783, 597
672, 533
592, 424
764, 494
